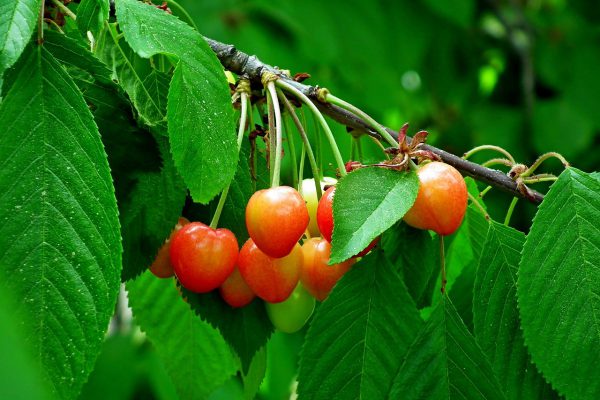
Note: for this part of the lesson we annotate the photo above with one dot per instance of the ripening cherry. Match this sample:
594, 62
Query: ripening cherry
291, 315
317, 276
235, 291
203, 257
325, 220
309, 193
276, 219
441, 201
161, 266
271, 279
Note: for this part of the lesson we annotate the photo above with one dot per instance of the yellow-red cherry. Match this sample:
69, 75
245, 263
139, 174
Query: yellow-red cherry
161, 266
441, 201
271, 279
203, 257
276, 219
325, 220
235, 291
317, 276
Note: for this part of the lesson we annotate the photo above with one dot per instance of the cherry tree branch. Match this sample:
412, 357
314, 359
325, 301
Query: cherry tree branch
249, 65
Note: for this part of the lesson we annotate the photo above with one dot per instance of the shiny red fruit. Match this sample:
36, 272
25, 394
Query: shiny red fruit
272, 279
203, 257
276, 219
442, 199
317, 276
325, 220
235, 291
161, 266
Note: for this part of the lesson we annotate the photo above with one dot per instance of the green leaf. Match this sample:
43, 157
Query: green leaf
246, 329
445, 362
496, 317
194, 354
366, 203
360, 333
91, 15
150, 97
20, 375
255, 375
16, 26
201, 123
463, 256
150, 214
417, 254
558, 287
60, 249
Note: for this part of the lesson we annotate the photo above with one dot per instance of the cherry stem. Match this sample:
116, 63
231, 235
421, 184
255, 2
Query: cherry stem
498, 161
180, 10
543, 158
272, 137
443, 264
292, 149
64, 9
540, 178
306, 144
40, 32
240, 136
484, 191
360, 113
378, 143
334, 148
489, 147
412, 165
479, 206
301, 167
511, 208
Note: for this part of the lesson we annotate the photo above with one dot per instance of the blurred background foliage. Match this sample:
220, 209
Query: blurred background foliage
519, 74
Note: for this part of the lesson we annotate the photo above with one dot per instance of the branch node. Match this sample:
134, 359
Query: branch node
322, 94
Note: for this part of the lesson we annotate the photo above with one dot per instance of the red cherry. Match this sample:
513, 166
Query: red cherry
325, 219
203, 257
276, 219
441, 201
161, 266
272, 279
317, 276
235, 291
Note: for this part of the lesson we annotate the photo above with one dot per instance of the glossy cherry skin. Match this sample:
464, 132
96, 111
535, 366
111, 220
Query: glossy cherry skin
272, 279
317, 276
309, 193
203, 257
325, 220
441, 201
291, 315
235, 291
276, 219
161, 266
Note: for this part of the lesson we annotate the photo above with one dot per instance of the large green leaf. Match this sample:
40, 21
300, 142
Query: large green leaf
367, 202
91, 15
246, 329
359, 335
16, 26
496, 317
195, 355
201, 124
418, 256
559, 286
445, 362
60, 250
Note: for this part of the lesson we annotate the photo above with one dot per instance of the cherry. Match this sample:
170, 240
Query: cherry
203, 257
317, 276
325, 220
272, 279
276, 219
309, 193
235, 291
441, 201
161, 266
291, 315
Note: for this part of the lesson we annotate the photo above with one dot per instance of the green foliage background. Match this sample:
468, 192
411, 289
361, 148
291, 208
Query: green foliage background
522, 75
